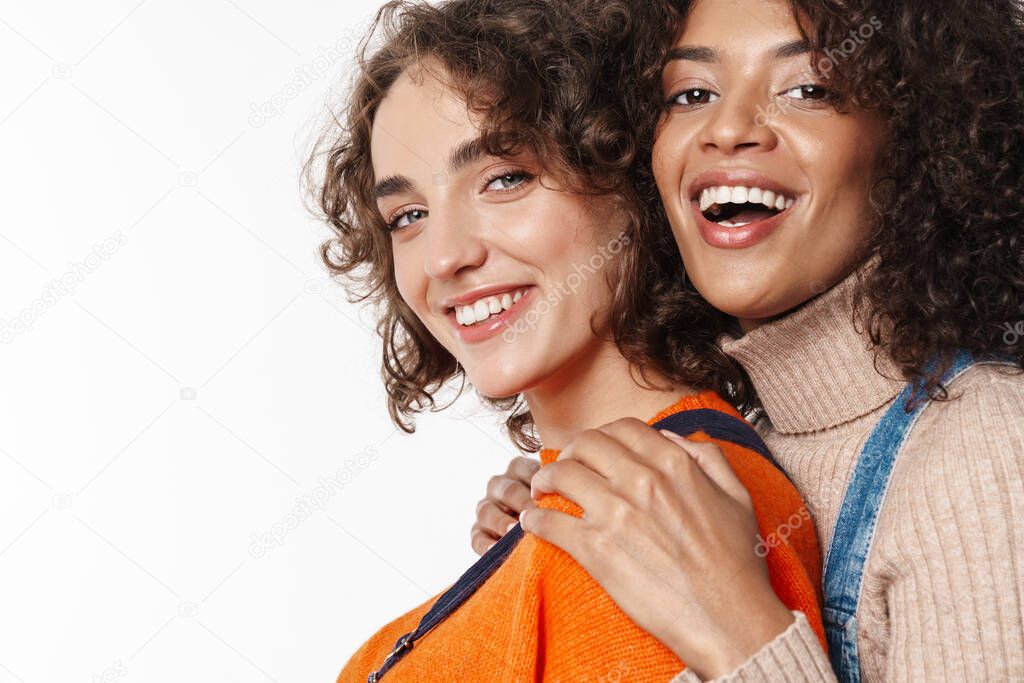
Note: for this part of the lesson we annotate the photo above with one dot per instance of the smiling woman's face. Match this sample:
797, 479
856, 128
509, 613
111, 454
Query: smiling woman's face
505, 271
765, 183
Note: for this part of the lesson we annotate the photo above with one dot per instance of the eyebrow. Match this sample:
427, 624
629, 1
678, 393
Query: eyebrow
463, 155
392, 185
699, 53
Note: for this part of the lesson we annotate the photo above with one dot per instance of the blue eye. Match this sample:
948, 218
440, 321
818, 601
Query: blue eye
695, 96
507, 181
400, 221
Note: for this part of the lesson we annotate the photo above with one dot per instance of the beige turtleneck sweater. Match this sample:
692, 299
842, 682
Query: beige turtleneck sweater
943, 592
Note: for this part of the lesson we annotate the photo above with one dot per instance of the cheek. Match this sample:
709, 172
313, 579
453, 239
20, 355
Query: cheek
662, 163
668, 161
410, 278
844, 175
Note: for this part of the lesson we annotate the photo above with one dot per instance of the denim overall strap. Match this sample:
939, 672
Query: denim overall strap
714, 423
858, 516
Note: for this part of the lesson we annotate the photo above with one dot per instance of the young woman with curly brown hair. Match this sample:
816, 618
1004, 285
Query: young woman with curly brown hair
843, 179
484, 198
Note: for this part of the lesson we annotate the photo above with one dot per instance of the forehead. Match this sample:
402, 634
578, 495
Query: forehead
417, 124
739, 26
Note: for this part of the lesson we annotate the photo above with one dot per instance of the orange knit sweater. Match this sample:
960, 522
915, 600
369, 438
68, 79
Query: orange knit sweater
541, 617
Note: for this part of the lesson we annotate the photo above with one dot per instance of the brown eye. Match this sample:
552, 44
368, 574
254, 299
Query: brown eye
694, 96
808, 92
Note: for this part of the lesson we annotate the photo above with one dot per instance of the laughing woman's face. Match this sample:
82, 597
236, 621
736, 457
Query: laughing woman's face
765, 182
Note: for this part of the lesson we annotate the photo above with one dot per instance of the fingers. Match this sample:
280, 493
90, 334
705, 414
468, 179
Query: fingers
491, 524
601, 452
648, 445
511, 494
567, 532
481, 541
507, 495
522, 469
572, 480
712, 461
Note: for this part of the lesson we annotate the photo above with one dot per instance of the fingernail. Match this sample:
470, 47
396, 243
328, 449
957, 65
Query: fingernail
671, 435
522, 520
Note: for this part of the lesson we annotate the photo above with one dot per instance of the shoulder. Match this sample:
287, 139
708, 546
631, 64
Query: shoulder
966, 454
374, 651
982, 419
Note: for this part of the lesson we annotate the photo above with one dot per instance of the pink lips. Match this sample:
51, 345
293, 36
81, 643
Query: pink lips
736, 238
753, 233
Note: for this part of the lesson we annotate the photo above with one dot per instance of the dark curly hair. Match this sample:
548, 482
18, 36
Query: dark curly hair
537, 72
948, 77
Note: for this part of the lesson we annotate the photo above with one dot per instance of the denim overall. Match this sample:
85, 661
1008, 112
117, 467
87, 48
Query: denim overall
858, 518
715, 424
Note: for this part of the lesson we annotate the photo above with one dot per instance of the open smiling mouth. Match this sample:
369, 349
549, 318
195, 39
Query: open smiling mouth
488, 308
737, 206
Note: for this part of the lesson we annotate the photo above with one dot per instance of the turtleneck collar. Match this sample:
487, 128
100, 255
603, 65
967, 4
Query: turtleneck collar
814, 368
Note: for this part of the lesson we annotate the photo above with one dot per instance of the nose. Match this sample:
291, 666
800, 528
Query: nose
454, 241
742, 122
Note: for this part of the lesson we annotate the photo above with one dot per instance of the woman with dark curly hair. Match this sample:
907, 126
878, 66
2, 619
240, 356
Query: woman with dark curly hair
483, 197
843, 179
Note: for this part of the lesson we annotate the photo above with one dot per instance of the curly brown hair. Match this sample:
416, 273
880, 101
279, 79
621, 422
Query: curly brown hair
948, 77
537, 73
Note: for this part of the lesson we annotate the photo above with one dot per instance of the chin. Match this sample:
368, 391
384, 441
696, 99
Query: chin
496, 382
748, 298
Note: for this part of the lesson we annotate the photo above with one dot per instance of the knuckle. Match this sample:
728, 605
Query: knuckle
522, 468
540, 522
585, 440
602, 544
618, 514
645, 486
496, 487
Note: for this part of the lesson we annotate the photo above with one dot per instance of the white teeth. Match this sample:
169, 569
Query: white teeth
728, 194
484, 308
706, 200
481, 310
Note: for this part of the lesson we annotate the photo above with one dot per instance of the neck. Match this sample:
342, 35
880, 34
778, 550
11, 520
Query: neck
815, 367
598, 388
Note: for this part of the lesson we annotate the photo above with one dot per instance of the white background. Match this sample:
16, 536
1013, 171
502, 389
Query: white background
200, 372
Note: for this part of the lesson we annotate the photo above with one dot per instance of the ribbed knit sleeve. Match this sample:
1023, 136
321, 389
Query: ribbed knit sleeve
794, 656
